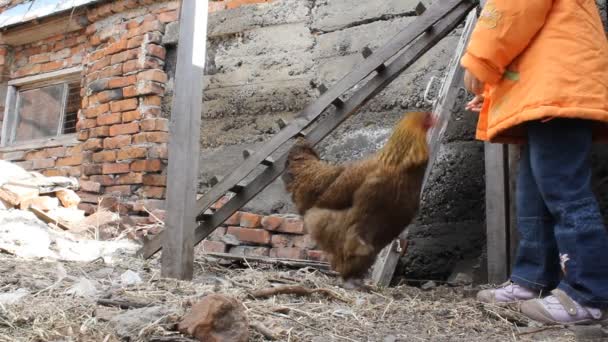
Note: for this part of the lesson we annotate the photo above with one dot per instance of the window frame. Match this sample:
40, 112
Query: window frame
64, 77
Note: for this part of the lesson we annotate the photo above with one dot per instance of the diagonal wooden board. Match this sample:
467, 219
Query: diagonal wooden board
450, 100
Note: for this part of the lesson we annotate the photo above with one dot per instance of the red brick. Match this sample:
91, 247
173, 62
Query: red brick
111, 71
131, 66
82, 135
167, 17
259, 236
152, 100
215, 6
92, 169
43, 163
41, 154
155, 125
213, 246
153, 191
148, 165
135, 42
108, 96
250, 220
129, 92
152, 75
234, 220
131, 116
120, 82
152, 137
90, 186
88, 208
70, 161
130, 178
39, 59
86, 123
288, 253
151, 112
158, 151
55, 172
56, 151
131, 152
118, 189
148, 204
124, 105
100, 64
104, 156
96, 111
316, 255
124, 56
156, 51
152, 63
102, 131
149, 88
109, 119
73, 150
116, 47
272, 223
28, 70
115, 168
93, 145
128, 128
104, 180
217, 234
281, 240
304, 241
155, 180
117, 142
97, 55
74, 171
52, 66
250, 251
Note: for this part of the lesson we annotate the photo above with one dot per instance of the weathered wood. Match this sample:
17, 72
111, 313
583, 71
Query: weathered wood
450, 99
497, 212
184, 141
48, 219
323, 127
53, 76
514, 155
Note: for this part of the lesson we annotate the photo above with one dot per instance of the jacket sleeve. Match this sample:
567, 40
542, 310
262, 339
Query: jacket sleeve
503, 31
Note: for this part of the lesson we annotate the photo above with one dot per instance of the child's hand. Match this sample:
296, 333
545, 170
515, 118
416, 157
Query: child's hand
472, 84
475, 104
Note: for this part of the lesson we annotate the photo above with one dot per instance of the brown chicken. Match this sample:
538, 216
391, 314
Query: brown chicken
353, 211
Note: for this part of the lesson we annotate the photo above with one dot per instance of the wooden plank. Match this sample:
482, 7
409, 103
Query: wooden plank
450, 100
514, 155
326, 125
497, 212
184, 141
311, 112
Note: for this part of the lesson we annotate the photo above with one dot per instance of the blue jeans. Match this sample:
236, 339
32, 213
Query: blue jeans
559, 221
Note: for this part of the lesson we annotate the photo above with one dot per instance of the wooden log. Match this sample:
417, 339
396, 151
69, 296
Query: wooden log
184, 141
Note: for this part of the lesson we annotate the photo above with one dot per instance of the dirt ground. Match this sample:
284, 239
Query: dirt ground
61, 302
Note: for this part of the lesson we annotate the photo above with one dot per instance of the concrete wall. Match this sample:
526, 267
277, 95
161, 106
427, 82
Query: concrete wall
266, 62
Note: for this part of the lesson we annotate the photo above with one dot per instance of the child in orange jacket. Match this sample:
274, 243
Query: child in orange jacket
539, 70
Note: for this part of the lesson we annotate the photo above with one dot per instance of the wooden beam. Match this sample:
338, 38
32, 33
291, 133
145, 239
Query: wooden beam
514, 155
184, 141
497, 212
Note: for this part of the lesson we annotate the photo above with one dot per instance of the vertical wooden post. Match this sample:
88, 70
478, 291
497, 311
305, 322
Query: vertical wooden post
182, 174
497, 212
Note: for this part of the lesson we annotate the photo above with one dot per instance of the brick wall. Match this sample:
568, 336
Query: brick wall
276, 236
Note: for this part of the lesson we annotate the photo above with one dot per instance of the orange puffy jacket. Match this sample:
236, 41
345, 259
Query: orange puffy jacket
539, 59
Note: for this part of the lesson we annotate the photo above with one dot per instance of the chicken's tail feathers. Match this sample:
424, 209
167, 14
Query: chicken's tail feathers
301, 151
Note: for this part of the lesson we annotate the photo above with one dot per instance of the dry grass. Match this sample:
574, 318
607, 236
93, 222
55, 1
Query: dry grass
402, 313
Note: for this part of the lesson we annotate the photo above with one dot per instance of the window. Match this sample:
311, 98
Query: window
39, 108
